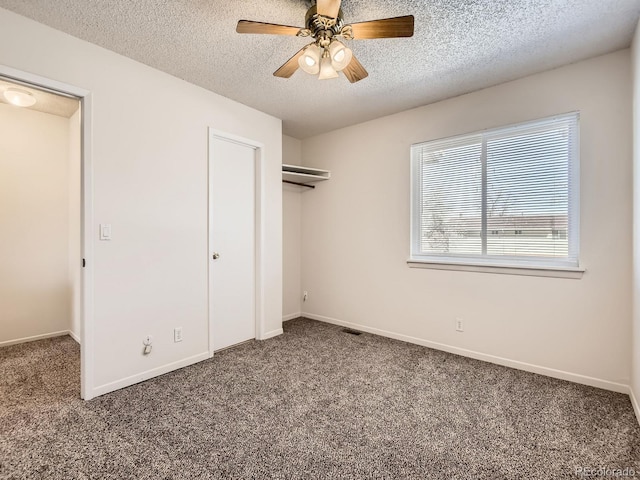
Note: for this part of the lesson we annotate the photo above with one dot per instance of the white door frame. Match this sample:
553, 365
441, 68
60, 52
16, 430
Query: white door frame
259, 228
86, 220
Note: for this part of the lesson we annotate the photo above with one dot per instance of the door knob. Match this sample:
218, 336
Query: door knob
216, 255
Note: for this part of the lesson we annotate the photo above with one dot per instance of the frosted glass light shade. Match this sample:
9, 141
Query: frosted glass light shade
340, 55
309, 61
326, 70
19, 98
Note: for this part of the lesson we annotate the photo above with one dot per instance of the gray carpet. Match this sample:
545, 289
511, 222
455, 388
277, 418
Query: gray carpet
312, 403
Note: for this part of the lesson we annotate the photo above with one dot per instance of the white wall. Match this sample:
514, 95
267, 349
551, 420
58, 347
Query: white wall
355, 233
75, 202
291, 234
34, 219
635, 363
149, 154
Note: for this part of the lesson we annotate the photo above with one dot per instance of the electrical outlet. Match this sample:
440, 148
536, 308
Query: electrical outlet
459, 325
177, 334
305, 295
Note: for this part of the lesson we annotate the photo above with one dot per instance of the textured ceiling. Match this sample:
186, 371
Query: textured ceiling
459, 46
45, 102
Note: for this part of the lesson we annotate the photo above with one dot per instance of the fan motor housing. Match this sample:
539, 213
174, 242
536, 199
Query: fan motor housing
321, 26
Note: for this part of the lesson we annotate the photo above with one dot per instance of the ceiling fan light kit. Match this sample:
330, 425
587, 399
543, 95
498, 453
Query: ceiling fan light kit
340, 55
326, 63
326, 70
326, 55
309, 61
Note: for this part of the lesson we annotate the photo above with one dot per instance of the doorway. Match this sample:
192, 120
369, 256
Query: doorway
53, 210
234, 171
39, 214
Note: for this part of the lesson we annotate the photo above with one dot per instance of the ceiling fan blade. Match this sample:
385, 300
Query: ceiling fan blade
289, 68
384, 28
328, 8
248, 26
355, 71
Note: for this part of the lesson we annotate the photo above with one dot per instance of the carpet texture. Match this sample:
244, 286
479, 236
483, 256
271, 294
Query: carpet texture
313, 403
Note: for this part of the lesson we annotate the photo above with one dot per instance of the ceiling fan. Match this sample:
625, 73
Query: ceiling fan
327, 55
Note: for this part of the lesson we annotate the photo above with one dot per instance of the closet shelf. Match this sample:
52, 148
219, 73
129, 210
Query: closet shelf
303, 176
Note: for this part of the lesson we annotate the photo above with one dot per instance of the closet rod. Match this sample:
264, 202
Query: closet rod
298, 183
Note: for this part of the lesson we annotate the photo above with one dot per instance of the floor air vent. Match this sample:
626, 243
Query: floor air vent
351, 332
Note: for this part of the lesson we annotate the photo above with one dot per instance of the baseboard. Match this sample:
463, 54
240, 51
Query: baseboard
34, 338
74, 336
141, 377
528, 367
291, 316
636, 405
272, 333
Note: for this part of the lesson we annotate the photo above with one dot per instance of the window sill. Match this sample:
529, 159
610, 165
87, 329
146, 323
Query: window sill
537, 271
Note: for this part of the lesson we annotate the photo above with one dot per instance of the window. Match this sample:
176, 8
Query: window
506, 197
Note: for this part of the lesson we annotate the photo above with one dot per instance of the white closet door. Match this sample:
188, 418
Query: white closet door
232, 216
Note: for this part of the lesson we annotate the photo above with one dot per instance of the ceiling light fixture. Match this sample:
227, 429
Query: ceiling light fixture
340, 55
325, 61
326, 69
19, 98
309, 61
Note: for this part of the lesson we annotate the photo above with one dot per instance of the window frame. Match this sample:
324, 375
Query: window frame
538, 266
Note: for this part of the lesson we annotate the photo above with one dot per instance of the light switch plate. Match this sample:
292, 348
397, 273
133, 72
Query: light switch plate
105, 231
177, 334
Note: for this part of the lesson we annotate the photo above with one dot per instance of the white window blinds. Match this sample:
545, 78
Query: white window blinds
507, 196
